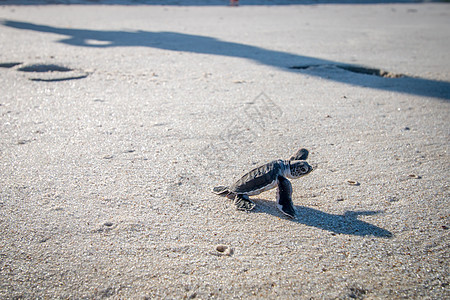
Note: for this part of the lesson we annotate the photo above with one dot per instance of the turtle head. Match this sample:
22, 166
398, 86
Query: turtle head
298, 168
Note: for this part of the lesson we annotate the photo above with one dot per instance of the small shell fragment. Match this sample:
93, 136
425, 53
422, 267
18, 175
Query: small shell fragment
353, 182
415, 176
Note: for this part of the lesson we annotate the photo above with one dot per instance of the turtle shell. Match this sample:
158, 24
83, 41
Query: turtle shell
259, 179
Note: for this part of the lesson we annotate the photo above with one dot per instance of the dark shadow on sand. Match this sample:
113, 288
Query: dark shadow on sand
348, 223
289, 62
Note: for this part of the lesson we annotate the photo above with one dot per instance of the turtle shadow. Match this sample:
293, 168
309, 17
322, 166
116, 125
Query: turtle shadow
347, 223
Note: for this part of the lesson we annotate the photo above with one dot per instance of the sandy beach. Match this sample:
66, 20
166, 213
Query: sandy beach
118, 120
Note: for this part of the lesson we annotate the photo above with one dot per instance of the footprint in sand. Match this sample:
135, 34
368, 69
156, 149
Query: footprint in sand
47, 72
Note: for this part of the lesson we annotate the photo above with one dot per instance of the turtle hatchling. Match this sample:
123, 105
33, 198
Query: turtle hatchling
266, 177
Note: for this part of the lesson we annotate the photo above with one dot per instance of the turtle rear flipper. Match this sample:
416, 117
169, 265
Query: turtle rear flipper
243, 202
221, 190
301, 154
284, 197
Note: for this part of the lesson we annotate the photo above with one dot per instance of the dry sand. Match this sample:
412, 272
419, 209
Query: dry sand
107, 166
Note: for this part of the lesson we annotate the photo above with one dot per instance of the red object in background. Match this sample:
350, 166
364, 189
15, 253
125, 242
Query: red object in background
234, 2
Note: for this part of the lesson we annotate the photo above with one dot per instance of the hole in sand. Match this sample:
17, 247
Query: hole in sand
59, 79
303, 67
354, 69
42, 68
370, 71
223, 250
9, 65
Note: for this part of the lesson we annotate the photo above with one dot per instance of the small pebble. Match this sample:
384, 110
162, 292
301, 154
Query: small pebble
444, 227
414, 176
223, 250
23, 142
108, 224
340, 199
392, 199
191, 295
353, 182
108, 156
44, 239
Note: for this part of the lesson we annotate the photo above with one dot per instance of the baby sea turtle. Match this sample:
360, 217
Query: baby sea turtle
266, 177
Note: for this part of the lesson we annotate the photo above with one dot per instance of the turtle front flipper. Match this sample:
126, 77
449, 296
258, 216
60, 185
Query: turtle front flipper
301, 154
243, 202
221, 190
224, 191
284, 197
